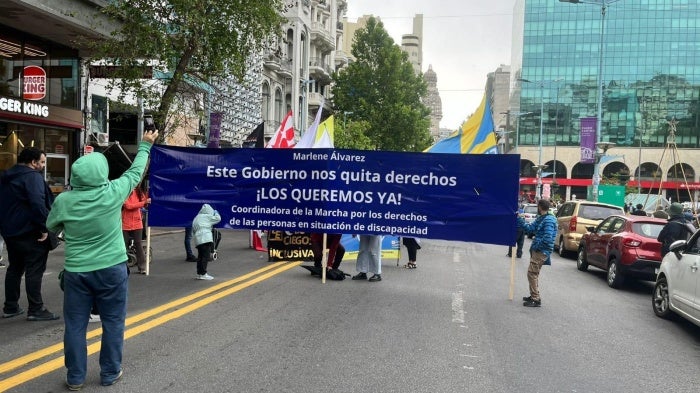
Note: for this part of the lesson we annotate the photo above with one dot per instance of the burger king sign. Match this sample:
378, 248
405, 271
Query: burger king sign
34, 83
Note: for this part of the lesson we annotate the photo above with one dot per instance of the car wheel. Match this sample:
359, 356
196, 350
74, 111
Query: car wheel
615, 278
561, 250
581, 263
659, 300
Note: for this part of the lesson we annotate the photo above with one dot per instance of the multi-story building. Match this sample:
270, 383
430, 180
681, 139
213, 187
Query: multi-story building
412, 44
650, 76
42, 78
297, 73
433, 102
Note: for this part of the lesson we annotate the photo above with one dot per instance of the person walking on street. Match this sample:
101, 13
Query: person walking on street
545, 229
96, 262
132, 223
202, 228
26, 201
677, 228
369, 258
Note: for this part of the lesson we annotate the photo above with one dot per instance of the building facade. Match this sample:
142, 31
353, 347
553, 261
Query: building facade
433, 102
42, 80
650, 79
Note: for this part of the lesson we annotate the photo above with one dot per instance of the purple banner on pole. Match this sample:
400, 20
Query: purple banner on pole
214, 129
588, 139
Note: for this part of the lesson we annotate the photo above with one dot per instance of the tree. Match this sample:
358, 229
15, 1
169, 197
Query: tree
189, 41
381, 88
352, 136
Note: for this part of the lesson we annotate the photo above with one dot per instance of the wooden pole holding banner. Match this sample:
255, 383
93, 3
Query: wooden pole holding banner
148, 248
324, 260
512, 275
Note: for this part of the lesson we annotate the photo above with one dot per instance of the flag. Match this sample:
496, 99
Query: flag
324, 142
284, 136
256, 138
475, 137
327, 128
307, 140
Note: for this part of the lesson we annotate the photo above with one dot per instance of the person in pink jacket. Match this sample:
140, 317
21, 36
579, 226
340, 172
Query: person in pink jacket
132, 223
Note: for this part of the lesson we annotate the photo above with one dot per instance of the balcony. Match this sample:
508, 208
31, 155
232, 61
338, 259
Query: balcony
341, 59
272, 62
285, 69
319, 70
321, 37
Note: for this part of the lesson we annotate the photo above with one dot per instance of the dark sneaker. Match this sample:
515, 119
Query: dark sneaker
43, 315
115, 380
532, 303
15, 313
375, 277
360, 276
527, 299
74, 388
191, 258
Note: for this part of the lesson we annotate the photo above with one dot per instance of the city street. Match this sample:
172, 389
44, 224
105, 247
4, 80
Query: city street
447, 326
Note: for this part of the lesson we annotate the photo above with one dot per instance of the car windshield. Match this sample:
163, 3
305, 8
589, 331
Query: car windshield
530, 209
647, 229
597, 212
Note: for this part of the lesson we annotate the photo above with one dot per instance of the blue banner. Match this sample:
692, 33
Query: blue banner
434, 196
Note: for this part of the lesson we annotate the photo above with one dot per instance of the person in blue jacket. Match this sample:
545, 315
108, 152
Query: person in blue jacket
545, 230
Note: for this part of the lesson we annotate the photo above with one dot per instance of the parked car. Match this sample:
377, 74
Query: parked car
529, 214
574, 216
677, 288
625, 246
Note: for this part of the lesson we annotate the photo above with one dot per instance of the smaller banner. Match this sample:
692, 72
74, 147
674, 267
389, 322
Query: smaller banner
289, 246
214, 129
588, 138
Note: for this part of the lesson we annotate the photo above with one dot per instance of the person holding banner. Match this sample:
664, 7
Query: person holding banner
545, 229
96, 261
412, 246
369, 258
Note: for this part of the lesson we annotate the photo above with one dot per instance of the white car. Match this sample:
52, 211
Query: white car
677, 286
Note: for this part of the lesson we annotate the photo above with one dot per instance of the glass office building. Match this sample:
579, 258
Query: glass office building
651, 75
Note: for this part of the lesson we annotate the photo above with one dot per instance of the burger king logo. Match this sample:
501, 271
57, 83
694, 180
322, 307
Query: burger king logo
34, 83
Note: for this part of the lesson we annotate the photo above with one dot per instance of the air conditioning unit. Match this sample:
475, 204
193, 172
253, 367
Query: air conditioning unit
102, 138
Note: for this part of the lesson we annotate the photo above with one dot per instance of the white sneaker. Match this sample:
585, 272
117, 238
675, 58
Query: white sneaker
94, 318
204, 276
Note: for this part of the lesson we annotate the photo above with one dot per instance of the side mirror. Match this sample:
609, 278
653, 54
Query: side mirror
677, 246
590, 229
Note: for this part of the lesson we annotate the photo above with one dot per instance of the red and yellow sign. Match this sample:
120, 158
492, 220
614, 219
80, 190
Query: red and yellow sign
34, 79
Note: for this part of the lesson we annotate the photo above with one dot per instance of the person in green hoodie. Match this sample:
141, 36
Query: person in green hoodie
96, 261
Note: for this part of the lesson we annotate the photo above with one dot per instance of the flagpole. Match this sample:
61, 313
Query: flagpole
324, 260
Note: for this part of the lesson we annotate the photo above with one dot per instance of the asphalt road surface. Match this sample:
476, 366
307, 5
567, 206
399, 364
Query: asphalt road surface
447, 326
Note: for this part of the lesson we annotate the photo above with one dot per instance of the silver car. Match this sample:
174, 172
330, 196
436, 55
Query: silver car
677, 288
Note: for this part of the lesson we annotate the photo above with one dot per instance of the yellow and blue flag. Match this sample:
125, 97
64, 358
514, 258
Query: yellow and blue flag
476, 136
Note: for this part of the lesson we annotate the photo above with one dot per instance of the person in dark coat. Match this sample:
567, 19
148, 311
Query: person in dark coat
26, 201
639, 211
677, 228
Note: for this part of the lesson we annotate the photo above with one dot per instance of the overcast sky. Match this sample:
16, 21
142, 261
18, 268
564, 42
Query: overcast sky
464, 40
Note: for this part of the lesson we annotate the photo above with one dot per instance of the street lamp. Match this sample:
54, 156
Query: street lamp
345, 114
599, 121
538, 191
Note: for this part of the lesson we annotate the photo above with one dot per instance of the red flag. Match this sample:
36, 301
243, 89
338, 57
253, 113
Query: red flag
284, 136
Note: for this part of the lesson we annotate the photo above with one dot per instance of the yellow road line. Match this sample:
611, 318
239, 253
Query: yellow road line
57, 363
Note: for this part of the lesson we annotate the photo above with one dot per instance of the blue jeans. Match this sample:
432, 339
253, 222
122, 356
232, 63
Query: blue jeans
188, 241
108, 288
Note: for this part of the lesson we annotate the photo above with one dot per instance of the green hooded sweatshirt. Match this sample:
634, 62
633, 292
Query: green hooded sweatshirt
91, 213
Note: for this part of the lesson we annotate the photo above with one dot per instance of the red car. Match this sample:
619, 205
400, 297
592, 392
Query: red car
625, 246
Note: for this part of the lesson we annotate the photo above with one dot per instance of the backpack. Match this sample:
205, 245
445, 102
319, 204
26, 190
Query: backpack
336, 275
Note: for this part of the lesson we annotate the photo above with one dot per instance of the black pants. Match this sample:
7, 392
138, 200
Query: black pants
519, 243
412, 247
203, 257
27, 257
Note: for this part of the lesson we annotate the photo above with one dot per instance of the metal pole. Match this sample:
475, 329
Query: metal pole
599, 120
507, 133
538, 194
